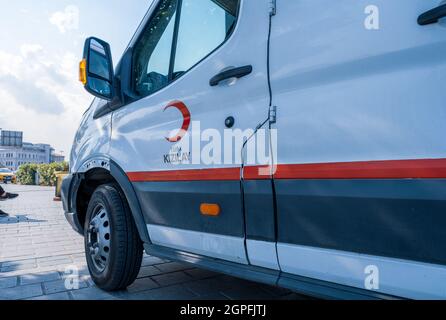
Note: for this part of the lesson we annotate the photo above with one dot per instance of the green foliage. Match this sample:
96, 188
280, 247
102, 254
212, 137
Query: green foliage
26, 173
47, 173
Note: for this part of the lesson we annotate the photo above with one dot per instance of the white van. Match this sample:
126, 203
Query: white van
350, 97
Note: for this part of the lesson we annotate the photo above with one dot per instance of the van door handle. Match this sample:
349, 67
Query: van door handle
231, 73
432, 16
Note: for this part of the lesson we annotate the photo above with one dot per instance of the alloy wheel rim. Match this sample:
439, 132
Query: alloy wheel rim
98, 240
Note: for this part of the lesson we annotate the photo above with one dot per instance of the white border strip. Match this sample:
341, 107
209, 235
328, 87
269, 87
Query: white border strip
403, 278
207, 244
262, 254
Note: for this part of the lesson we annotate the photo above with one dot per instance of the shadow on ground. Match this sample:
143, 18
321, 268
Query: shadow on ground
157, 280
13, 219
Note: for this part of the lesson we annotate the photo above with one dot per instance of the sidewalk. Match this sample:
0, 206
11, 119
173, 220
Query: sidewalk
39, 251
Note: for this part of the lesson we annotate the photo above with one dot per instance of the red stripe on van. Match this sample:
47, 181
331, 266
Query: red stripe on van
386, 169
257, 173
220, 174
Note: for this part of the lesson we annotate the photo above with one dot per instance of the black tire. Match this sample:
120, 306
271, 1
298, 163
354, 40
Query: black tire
126, 250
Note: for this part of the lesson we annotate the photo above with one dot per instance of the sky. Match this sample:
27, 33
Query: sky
40, 49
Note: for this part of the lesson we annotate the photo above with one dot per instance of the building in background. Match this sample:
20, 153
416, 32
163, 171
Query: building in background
11, 138
57, 157
14, 152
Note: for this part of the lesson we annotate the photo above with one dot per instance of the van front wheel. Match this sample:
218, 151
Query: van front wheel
112, 246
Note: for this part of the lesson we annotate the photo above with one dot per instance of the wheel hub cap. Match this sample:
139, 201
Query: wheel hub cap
98, 246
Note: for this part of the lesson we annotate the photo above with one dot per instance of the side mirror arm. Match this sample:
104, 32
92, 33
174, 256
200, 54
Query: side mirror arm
122, 86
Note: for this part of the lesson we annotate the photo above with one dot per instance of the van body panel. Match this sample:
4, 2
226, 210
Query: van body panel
139, 143
92, 140
346, 93
401, 278
353, 207
262, 254
259, 210
213, 245
361, 148
394, 218
160, 209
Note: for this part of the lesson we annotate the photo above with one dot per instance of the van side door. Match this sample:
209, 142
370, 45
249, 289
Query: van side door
199, 67
360, 92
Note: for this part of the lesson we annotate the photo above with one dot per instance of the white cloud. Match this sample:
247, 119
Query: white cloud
9, 62
66, 20
30, 49
40, 95
31, 96
31, 79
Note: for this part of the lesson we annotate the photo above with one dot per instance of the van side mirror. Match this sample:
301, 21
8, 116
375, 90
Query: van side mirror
96, 69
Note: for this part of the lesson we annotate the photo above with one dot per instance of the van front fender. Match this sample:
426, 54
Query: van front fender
126, 186
72, 186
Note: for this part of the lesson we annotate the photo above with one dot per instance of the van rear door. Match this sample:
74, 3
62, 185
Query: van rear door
360, 89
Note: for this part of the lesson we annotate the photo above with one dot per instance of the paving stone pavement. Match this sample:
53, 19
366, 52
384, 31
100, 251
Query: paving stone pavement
39, 253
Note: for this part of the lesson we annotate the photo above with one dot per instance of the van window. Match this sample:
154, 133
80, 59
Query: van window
179, 35
204, 25
153, 50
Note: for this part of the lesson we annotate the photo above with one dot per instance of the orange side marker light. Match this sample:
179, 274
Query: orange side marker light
210, 209
83, 71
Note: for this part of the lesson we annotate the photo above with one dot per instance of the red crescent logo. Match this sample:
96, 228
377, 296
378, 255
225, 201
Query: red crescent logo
186, 120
